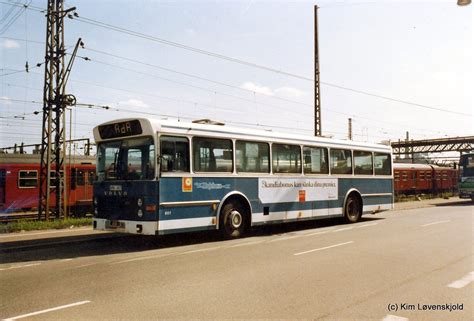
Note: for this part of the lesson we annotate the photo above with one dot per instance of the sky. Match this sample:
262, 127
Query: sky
391, 66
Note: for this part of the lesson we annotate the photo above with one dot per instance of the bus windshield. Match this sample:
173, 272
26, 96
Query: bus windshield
467, 165
127, 159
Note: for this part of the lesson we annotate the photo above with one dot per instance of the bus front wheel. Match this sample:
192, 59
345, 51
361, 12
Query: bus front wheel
352, 210
232, 220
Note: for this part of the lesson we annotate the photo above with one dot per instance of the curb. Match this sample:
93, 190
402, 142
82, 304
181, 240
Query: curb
26, 245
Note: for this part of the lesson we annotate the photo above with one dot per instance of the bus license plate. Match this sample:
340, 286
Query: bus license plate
116, 225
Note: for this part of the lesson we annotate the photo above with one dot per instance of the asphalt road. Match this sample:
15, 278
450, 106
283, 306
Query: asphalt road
398, 265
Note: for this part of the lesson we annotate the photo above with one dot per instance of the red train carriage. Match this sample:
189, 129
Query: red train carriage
423, 178
19, 182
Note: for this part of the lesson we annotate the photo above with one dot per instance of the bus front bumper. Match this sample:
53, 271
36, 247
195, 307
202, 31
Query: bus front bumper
132, 227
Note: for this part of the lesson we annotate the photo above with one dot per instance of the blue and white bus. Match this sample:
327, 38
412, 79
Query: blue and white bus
159, 177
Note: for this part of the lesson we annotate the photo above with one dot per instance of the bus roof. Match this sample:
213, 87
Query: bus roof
151, 126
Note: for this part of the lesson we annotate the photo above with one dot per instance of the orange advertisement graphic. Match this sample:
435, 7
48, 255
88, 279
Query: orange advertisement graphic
302, 195
187, 184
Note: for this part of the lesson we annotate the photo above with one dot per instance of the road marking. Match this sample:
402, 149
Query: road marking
19, 266
285, 238
66, 260
47, 310
202, 250
324, 248
468, 278
438, 222
145, 258
316, 233
390, 317
366, 225
343, 229
83, 265
246, 243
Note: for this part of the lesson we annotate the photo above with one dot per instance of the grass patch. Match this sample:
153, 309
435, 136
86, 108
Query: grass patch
30, 225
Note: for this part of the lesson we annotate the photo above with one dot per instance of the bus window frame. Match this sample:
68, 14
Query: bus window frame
352, 162
327, 160
269, 145
192, 167
300, 172
159, 159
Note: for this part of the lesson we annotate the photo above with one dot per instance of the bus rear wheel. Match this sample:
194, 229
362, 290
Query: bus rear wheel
352, 210
233, 220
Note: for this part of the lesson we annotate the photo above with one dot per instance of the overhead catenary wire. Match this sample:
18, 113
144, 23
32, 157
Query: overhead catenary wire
13, 19
196, 103
245, 89
101, 24
191, 117
251, 64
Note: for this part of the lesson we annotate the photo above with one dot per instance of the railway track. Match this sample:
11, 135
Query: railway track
16, 216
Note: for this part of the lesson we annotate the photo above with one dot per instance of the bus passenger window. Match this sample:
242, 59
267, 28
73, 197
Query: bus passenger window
174, 154
315, 160
212, 155
382, 164
252, 157
363, 163
286, 158
341, 161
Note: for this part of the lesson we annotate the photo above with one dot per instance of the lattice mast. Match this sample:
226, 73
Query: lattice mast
52, 173
317, 88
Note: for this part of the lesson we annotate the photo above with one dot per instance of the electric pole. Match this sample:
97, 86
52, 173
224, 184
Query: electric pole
55, 100
317, 92
349, 134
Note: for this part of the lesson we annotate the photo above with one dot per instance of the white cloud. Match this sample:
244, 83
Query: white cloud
134, 103
288, 92
190, 32
5, 100
257, 88
10, 44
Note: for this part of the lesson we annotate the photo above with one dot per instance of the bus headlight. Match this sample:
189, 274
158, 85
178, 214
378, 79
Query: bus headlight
139, 202
140, 213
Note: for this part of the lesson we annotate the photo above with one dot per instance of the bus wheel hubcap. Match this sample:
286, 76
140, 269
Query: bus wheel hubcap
235, 219
352, 209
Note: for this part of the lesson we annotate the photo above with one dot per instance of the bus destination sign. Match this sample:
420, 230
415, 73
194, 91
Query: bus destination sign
122, 129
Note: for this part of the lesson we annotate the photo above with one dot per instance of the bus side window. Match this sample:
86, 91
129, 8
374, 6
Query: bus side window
212, 155
174, 154
315, 160
286, 158
252, 157
363, 163
341, 161
382, 164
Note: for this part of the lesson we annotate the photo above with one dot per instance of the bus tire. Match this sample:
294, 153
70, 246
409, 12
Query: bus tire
233, 220
352, 209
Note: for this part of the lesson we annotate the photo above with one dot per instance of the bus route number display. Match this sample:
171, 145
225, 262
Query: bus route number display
122, 129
